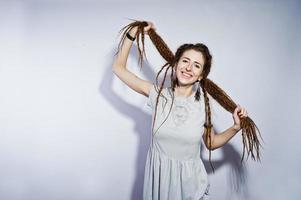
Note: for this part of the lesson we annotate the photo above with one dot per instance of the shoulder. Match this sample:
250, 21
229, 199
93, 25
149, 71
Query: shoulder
154, 92
155, 89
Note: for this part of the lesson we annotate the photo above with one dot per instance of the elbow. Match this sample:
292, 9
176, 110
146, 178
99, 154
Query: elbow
212, 147
207, 143
116, 69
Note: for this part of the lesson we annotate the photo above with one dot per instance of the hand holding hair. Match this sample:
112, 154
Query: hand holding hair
239, 112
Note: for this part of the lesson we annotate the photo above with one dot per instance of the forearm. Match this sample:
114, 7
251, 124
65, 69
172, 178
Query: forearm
222, 138
122, 56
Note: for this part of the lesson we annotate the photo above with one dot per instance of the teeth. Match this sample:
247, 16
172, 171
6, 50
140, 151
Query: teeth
187, 75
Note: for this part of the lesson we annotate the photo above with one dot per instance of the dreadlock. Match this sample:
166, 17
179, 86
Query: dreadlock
250, 131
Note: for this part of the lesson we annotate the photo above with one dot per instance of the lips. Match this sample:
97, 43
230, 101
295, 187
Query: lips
186, 75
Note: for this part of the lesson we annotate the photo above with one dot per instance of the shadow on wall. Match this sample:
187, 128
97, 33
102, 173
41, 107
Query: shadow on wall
142, 120
237, 172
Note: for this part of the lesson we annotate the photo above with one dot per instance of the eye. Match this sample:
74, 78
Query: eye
185, 61
198, 66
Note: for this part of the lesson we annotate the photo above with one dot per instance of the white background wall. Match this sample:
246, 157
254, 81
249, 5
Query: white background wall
69, 129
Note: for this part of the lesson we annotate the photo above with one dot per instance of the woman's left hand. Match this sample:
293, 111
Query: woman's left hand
239, 112
149, 26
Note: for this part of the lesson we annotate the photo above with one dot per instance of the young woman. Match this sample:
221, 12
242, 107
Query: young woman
174, 170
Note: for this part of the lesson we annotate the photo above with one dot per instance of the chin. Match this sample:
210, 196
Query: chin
185, 82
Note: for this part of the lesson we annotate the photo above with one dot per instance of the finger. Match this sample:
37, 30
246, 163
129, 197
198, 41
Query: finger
241, 112
241, 115
238, 110
244, 113
148, 25
236, 113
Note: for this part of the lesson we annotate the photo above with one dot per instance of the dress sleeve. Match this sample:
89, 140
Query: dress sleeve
151, 101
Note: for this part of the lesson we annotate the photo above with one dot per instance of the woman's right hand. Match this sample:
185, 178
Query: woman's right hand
150, 25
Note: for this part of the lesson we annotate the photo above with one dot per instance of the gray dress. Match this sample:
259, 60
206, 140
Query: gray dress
174, 169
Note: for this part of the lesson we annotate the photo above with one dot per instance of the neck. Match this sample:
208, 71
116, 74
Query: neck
185, 91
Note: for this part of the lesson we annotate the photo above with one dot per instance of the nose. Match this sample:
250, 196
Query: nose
188, 67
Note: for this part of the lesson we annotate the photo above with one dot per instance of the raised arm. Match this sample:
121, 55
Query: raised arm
119, 66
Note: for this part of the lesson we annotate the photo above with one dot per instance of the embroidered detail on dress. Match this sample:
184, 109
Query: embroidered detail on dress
180, 113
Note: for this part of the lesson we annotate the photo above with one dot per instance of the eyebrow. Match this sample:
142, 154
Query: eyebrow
194, 61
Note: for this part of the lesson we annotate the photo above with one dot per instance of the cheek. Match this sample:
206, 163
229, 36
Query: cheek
197, 72
178, 74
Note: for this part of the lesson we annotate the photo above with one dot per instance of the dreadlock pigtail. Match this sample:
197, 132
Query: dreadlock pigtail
197, 95
172, 83
250, 138
140, 35
161, 46
251, 143
160, 71
172, 80
159, 94
142, 53
208, 125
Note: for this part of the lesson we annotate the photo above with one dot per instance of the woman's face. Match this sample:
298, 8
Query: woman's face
189, 67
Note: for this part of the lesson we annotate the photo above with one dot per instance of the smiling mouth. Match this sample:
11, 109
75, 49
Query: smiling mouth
186, 75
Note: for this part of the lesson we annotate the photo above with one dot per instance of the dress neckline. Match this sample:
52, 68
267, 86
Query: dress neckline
191, 97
